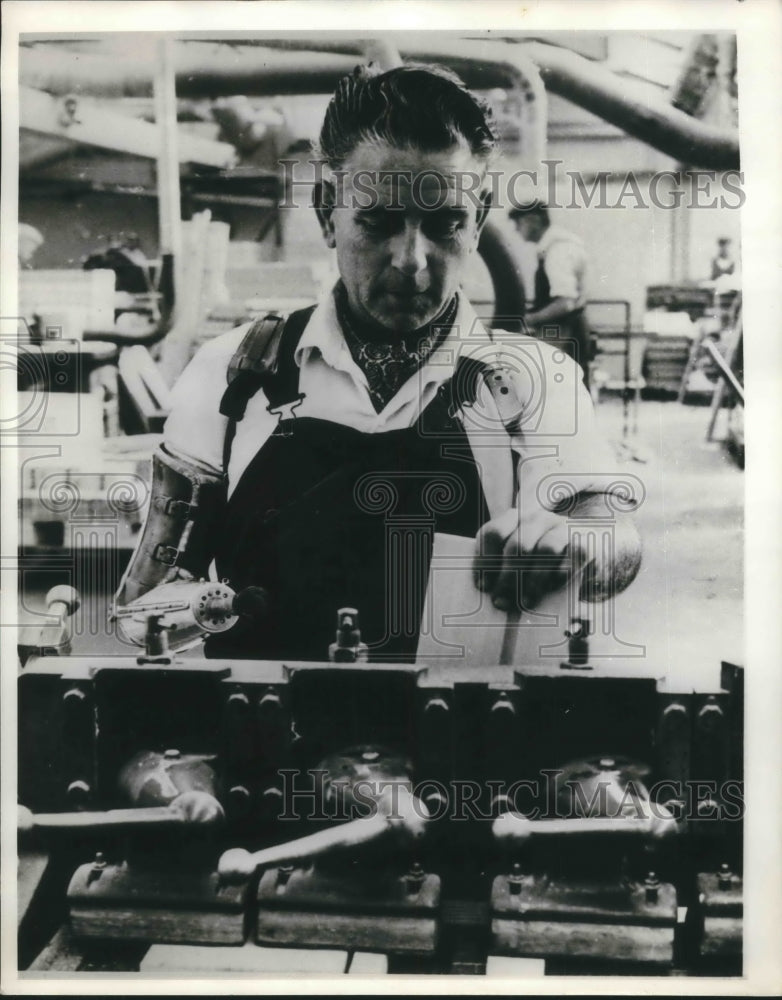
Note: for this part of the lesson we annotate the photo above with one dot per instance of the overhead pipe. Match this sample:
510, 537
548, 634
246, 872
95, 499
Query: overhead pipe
207, 70
203, 70
657, 123
587, 84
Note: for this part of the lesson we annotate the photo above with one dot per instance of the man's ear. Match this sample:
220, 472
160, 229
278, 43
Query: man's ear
324, 198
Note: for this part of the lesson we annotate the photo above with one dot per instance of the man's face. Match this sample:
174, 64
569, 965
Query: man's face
404, 228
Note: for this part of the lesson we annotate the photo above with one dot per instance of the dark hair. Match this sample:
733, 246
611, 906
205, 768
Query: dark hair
414, 106
530, 208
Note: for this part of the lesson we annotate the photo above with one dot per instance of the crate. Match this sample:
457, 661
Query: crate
665, 360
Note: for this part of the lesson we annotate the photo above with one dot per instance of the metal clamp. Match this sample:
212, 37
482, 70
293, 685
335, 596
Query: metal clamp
166, 554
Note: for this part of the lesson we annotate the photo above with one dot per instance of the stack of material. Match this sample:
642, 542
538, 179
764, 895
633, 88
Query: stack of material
213, 299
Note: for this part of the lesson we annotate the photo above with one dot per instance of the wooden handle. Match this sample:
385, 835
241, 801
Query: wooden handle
517, 828
110, 818
238, 864
189, 809
399, 813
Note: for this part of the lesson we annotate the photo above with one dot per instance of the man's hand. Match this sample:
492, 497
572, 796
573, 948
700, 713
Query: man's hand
520, 559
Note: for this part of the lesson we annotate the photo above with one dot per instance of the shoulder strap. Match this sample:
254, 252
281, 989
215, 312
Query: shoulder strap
258, 359
263, 360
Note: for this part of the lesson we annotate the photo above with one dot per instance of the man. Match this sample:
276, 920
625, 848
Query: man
723, 261
347, 435
558, 307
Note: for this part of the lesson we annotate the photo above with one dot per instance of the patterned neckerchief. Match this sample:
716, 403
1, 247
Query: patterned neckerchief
389, 364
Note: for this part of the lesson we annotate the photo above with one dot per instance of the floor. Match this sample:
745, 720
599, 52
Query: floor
686, 604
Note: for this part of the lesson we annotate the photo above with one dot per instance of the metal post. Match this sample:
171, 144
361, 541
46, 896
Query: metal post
169, 204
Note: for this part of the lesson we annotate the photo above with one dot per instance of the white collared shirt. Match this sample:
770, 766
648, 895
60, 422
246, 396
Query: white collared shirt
556, 438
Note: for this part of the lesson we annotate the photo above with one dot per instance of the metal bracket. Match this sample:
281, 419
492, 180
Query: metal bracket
285, 412
176, 508
166, 554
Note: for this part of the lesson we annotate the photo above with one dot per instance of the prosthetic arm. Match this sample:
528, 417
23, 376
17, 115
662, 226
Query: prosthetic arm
166, 586
177, 539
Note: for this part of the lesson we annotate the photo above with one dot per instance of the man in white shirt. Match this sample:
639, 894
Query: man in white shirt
557, 311
345, 436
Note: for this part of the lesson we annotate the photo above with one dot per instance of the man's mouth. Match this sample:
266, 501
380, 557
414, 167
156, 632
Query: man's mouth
407, 297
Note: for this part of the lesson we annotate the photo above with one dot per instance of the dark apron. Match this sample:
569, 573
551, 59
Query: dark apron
572, 334
326, 517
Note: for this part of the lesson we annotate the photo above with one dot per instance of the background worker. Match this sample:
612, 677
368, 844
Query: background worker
723, 262
557, 312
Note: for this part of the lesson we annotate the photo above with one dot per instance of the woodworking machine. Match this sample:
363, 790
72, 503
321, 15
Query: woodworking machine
581, 814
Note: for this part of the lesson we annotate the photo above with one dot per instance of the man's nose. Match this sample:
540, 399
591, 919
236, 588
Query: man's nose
408, 253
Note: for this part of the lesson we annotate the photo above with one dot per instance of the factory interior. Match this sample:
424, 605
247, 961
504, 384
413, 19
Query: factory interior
159, 207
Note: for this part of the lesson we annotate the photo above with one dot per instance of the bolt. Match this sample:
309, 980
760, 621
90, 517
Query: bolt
515, 880
98, 866
675, 711
414, 879
78, 792
435, 802
238, 701
74, 696
503, 705
269, 702
272, 798
436, 706
239, 797
577, 635
710, 716
725, 877
651, 887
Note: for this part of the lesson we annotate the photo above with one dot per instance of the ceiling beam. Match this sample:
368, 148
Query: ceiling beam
77, 120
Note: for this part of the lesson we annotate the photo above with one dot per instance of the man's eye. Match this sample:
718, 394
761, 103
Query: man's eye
384, 222
443, 228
